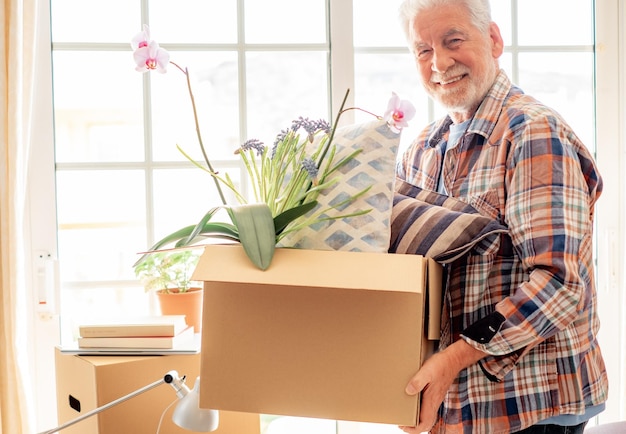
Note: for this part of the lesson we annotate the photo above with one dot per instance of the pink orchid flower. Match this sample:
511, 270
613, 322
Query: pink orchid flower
141, 39
151, 57
148, 54
399, 113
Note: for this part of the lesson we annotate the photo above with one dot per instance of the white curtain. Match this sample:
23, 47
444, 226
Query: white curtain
17, 42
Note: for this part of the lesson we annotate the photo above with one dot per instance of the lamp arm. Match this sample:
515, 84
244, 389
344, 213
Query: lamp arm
166, 379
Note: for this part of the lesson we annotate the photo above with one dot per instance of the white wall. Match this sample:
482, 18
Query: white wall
610, 210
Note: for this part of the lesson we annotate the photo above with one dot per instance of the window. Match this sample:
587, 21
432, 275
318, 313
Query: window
120, 181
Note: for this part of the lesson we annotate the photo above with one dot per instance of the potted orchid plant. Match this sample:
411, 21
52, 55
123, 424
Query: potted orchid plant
287, 177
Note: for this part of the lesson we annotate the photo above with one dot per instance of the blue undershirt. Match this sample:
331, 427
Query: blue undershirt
456, 131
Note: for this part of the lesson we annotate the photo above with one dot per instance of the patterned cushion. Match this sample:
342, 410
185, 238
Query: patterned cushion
374, 166
438, 226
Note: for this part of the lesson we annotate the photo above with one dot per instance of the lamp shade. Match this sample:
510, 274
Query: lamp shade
190, 416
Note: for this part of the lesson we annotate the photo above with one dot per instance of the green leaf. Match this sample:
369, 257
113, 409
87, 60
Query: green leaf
344, 161
283, 219
256, 232
173, 237
199, 226
213, 230
209, 229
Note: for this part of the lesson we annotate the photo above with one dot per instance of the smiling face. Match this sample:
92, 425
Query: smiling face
457, 61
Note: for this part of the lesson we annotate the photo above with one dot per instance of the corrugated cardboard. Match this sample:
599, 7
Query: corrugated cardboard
92, 381
323, 334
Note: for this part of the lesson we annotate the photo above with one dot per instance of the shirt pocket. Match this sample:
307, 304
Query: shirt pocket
487, 204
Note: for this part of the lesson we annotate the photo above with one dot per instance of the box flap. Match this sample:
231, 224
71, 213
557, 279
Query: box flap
435, 299
307, 268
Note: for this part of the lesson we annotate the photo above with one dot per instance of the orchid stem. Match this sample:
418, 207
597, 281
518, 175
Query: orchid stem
363, 110
333, 129
195, 117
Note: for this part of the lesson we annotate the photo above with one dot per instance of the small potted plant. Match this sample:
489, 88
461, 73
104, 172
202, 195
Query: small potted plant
168, 273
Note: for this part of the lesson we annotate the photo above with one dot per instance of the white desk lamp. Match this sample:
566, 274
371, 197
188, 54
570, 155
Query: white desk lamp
187, 414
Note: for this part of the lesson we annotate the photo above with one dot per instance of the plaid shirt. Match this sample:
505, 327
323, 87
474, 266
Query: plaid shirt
530, 301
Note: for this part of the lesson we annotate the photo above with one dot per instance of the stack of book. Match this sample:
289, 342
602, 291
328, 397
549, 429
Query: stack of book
154, 332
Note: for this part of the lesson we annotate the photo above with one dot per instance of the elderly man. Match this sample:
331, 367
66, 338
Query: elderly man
518, 349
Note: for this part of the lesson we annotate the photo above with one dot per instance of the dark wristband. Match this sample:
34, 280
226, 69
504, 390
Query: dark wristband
483, 330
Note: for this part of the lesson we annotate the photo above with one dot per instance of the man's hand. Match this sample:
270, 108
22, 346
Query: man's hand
434, 379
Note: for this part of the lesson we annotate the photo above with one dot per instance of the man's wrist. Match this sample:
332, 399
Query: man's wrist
463, 355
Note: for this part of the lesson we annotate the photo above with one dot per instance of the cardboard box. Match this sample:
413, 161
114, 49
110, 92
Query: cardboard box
325, 334
88, 382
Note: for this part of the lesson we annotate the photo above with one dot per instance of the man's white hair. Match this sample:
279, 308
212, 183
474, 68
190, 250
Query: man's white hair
479, 11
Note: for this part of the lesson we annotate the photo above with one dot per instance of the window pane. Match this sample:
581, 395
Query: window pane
91, 21
377, 76
193, 21
563, 81
373, 14
376, 24
544, 23
98, 113
214, 82
84, 303
101, 215
183, 196
283, 86
506, 63
501, 15
285, 21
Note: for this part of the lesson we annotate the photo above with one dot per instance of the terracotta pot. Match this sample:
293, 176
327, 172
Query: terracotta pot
187, 303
